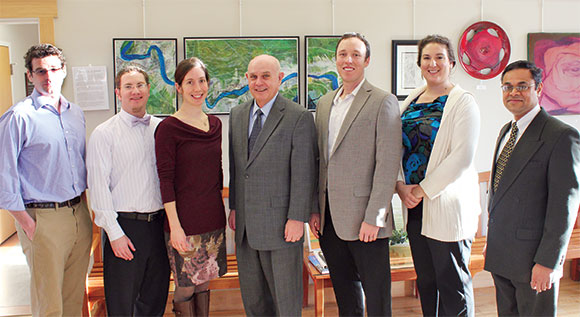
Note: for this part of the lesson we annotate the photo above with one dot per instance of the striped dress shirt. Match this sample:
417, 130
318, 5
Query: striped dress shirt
122, 172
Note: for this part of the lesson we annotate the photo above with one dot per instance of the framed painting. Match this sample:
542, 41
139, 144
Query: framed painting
406, 75
227, 61
158, 57
558, 55
321, 74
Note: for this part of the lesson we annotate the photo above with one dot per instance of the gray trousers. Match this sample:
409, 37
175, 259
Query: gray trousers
270, 281
519, 299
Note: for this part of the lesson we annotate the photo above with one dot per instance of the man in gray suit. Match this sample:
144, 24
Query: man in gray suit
533, 199
272, 179
360, 146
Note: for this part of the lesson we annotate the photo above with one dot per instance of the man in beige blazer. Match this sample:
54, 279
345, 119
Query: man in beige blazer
359, 139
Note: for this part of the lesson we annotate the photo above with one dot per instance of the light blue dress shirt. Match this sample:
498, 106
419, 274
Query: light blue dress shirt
265, 111
43, 153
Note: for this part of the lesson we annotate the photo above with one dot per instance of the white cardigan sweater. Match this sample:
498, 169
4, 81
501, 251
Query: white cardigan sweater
452, 206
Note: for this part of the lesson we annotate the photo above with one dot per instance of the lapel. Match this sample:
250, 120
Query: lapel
357, 104
243, 128
528, 144
323, 111
272, 121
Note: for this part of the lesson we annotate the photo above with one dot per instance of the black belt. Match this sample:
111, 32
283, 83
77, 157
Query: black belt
150, 216
48, 205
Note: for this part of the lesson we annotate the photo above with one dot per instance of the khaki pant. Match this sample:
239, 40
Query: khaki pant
58, 259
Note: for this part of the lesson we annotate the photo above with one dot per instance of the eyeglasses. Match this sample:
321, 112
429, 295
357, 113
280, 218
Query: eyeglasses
519, 88
138, 86
42, 71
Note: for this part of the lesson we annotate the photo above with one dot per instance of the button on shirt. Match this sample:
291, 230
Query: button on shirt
265, 111
338, 111
522, 124
122, 170
43, 151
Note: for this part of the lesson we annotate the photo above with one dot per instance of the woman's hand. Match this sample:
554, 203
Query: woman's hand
178, 240
406, 194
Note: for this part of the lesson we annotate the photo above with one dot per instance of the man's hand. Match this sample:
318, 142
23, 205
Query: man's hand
405, 193
122, 248
368, 232
542, 278
232, 219
26, 222
314, 224
294, 230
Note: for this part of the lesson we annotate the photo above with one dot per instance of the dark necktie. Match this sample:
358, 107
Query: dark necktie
255, 131
504, 156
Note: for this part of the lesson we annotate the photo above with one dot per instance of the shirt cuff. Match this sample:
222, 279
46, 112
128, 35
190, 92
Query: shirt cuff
114, 231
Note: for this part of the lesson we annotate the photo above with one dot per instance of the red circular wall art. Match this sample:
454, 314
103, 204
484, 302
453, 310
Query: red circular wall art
484, 50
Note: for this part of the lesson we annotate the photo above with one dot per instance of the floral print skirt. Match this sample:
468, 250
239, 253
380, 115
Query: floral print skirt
205, 261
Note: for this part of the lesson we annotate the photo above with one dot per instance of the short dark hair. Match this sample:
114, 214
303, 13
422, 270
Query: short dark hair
359, 36
523, 64
186, 65
42, 51
130, 69
439, 39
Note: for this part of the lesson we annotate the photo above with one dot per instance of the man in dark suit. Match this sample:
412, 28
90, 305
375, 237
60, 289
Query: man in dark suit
359, 139
272, 178
533, 199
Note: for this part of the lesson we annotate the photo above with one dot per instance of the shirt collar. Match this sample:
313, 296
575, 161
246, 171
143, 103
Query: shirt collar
266, 108
353, 93
525, 121
41, 101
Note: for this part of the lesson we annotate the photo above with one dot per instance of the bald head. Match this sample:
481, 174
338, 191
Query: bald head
264, 78
265, 59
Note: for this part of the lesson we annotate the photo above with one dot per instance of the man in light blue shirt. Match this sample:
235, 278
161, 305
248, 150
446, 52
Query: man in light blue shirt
42, 185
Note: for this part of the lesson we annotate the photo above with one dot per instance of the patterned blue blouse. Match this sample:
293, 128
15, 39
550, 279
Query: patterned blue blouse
420, 125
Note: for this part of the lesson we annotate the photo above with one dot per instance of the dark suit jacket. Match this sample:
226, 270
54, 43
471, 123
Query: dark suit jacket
276, 182
532, 214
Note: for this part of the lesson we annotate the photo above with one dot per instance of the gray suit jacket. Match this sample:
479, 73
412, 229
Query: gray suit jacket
361, 173
276, 182
532, 214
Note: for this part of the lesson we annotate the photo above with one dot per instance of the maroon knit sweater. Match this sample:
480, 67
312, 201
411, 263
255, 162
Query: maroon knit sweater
189, 164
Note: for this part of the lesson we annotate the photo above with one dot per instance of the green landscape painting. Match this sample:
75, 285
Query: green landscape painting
158, 57
321, 75
227, 62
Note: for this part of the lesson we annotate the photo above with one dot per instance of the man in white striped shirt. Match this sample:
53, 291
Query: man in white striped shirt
125, 197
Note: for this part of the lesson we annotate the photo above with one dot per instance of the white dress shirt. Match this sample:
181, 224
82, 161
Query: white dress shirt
522, 124
338, 112
122, 172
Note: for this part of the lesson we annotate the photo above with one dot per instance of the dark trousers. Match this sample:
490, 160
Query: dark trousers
519, 299
356, 266
443, 277
138, 287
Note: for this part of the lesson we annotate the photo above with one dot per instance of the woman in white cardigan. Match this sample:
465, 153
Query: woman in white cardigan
438, 183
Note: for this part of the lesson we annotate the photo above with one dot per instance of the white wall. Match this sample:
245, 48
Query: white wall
85, 28
19, 38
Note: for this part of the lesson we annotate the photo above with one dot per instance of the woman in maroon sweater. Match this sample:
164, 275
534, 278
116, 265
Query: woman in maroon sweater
188, 149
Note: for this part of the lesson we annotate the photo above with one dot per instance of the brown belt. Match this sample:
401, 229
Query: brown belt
49, 205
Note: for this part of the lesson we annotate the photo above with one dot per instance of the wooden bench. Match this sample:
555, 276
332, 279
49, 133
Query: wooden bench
95, 289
